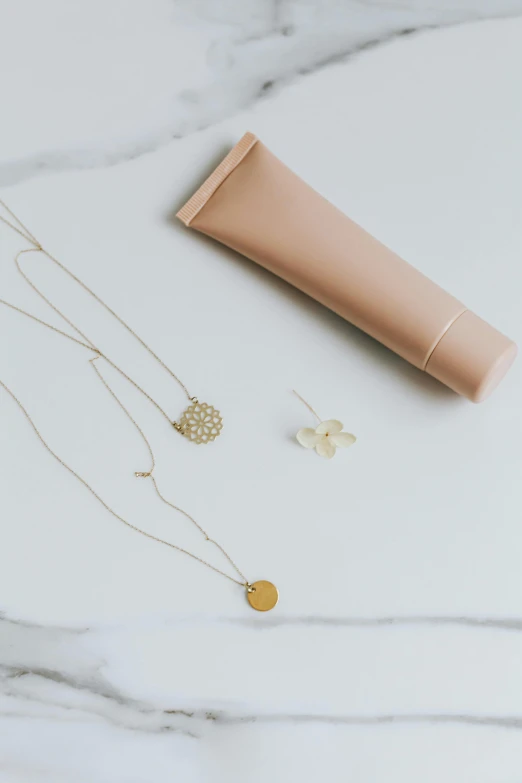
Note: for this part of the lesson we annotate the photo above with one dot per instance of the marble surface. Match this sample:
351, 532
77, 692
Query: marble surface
395, 653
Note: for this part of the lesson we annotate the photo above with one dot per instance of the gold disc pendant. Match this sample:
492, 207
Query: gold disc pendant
200, 422
262, 595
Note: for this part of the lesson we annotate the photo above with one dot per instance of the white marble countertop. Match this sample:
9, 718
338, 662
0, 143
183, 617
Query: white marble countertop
395, 652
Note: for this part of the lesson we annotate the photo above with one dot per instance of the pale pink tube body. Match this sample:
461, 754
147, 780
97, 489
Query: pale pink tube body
254, 204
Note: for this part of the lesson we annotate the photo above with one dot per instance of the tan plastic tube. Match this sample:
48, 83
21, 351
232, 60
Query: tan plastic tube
254, 204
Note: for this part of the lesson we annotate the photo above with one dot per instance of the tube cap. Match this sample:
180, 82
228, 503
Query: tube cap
472, 357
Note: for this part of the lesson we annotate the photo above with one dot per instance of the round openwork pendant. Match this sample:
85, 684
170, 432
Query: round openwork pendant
200, 423
262, 595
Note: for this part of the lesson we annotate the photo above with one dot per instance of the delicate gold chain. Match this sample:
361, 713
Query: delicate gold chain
88, 344
121, 321
24, 232
148, 474
49, 326
243, 583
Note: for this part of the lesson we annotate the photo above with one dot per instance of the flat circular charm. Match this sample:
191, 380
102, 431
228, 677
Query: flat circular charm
262, 595
200, 423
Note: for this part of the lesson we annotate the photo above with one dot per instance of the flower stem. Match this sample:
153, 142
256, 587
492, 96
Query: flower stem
307, 405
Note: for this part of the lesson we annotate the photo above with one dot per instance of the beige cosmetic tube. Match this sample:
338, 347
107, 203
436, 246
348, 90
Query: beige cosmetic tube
254, 204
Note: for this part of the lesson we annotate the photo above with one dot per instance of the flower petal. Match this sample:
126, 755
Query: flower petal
308, 437
331, 425
325, 448
343, 439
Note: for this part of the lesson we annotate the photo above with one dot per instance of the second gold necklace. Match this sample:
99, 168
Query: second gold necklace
199, 422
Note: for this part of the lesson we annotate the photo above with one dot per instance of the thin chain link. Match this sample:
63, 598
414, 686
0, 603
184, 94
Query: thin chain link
90, 348
148, 474
43, 323
88, 344
114, 513
121, 321
26, 234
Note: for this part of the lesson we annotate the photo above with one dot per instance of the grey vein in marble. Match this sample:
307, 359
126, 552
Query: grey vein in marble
25, 695
46, 667
251, 49
46, 673
493, 623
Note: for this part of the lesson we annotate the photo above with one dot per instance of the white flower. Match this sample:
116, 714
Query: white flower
326, 438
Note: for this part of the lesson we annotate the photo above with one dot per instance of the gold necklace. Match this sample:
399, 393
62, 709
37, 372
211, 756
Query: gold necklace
199, 422
262, 595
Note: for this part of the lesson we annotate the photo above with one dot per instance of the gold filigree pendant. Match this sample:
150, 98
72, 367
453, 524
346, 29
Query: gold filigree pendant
200, 422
